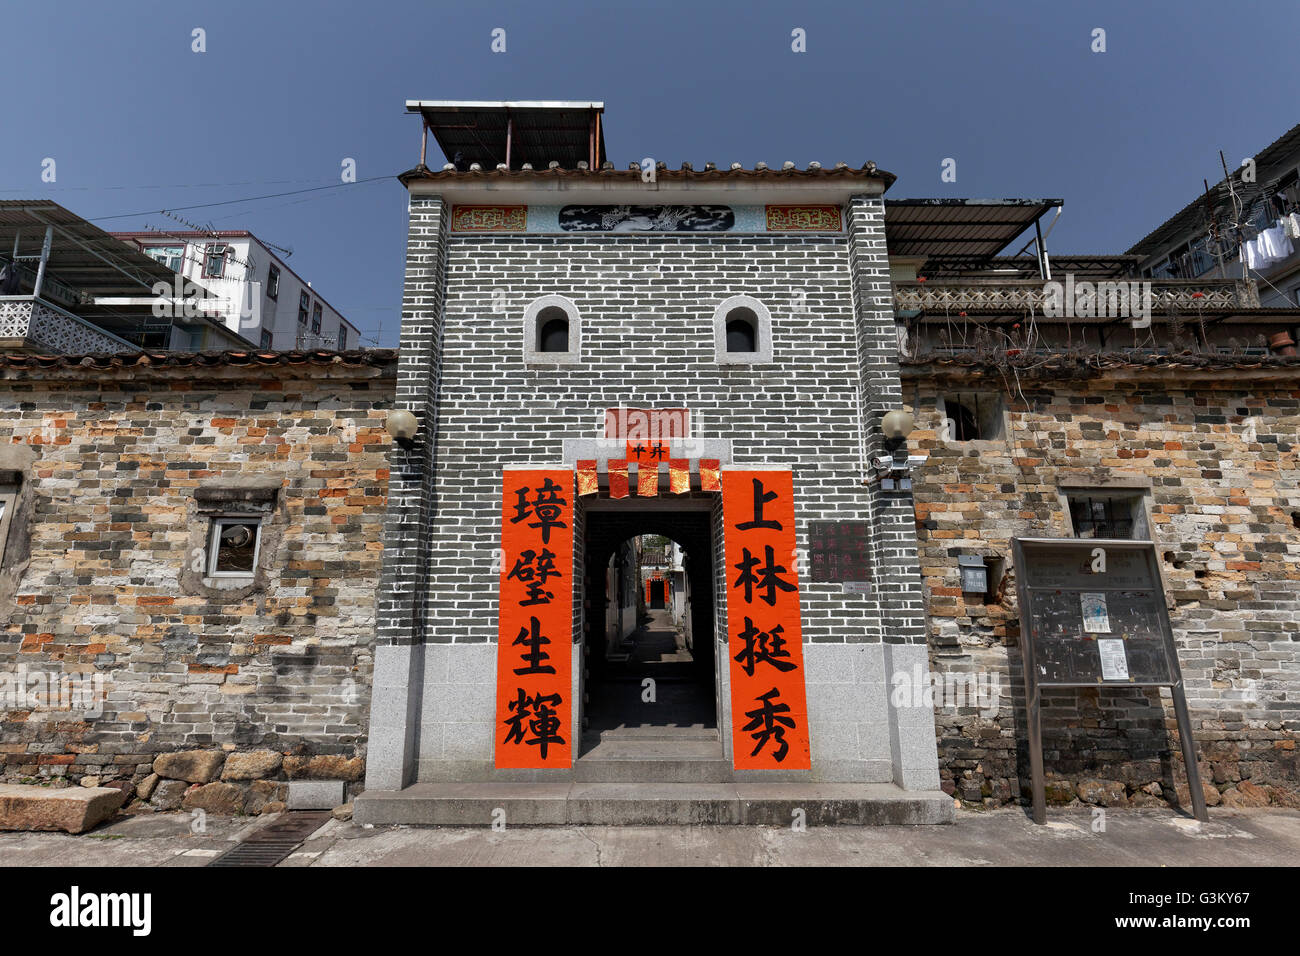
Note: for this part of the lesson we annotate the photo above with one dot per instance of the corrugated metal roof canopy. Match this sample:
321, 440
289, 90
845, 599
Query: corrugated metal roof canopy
539, 131
1092, 267
959, 231
86, 263
82, 255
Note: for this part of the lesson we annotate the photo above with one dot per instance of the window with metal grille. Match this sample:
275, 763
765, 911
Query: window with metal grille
273, 282
315, 319
1101, 515
170, 256
304, 304
232, 547
214, 261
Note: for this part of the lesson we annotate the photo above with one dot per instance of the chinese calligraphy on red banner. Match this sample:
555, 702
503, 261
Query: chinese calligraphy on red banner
535, 635
769, 711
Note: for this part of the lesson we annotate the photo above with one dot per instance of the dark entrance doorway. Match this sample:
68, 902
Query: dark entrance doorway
650, 672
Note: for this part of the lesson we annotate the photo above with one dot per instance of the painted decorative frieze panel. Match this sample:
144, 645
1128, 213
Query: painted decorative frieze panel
816, 218
646, 218
489, 218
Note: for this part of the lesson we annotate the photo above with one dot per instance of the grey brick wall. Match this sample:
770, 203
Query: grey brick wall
894, 552
647, 305
410, 499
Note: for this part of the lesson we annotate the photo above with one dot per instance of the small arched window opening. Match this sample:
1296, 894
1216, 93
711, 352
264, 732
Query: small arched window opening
552, 330
742, 330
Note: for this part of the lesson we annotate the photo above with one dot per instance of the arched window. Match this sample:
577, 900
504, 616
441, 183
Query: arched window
552, 332
742, 332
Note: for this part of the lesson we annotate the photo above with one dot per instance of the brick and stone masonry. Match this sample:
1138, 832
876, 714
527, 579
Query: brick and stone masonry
207, 695
1214, 453
646, 304
214, 701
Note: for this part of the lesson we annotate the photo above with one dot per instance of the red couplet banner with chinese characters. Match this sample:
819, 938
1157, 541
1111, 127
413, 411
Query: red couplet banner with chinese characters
535, 636
769, 709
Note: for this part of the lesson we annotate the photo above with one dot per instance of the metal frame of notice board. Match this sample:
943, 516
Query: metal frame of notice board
1039, 601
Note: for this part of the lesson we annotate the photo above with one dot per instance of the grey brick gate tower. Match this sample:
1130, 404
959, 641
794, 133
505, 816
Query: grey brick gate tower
755, 300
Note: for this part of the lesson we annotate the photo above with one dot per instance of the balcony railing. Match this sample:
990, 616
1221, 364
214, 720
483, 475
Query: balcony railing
31, 324
307, 340
1007, 296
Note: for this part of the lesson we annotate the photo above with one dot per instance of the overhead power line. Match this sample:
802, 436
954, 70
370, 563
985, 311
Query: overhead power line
245, 182
231, 202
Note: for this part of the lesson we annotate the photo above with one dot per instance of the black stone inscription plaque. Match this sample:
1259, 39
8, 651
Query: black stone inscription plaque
838, 551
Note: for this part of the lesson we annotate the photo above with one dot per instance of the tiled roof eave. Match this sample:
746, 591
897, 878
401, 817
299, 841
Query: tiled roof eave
370, 362
1114, 365
837, 172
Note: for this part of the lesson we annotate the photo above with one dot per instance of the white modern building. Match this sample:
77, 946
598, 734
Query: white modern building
257, 294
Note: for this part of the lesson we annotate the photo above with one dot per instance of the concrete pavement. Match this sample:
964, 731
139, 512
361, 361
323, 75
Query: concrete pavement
998, 837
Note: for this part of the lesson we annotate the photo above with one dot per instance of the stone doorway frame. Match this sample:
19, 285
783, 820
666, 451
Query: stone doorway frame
651, 516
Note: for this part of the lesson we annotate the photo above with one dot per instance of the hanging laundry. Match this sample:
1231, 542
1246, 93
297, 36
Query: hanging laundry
1285, 248
1274, 244
1250, 255
1291, 225
1270, 247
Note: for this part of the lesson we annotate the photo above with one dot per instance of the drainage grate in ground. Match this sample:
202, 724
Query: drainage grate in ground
270, 845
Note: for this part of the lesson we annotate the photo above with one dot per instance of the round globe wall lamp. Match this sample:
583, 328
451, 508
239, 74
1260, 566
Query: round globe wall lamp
402, 425
897, 424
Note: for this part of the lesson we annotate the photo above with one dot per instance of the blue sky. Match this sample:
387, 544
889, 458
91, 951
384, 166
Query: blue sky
137, 121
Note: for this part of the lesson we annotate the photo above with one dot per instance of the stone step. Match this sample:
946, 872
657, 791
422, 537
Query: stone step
650, 804
71, 809
664, 759
655, 732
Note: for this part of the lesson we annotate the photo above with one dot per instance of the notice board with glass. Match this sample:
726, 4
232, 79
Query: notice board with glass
1093, 613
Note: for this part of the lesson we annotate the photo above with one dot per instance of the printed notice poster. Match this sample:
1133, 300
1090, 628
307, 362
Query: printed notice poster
1096, 619
1114, 661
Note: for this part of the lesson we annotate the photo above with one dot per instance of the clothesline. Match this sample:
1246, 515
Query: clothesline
1272, 244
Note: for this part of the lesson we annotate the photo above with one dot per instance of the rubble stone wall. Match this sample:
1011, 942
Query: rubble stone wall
1216, 461
110, 613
